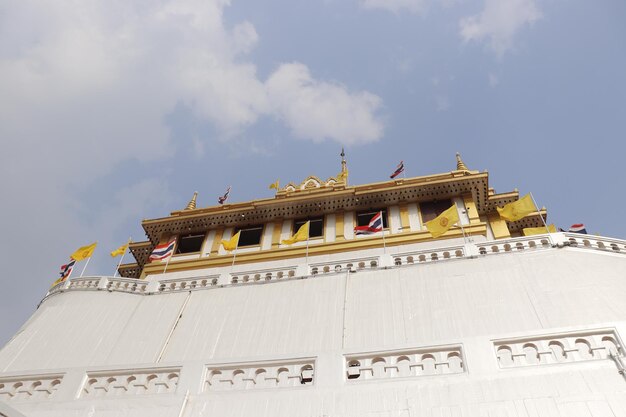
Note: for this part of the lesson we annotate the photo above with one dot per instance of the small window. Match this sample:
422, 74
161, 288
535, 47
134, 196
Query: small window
432, 209
363, 218
250, 235
316, 228
190, 243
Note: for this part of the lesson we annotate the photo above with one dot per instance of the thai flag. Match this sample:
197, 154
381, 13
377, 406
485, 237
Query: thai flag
578, 228
66, 270
375, 225
163, 251
399, 170
223, 198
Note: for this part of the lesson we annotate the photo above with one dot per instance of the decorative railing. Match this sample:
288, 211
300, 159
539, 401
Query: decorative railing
557, 348
127, 285
262, 275
514, 245
430, 255
245, 376
351, 265
29, 387
188, 284
257, 276
84, 283
405, 363
136, 382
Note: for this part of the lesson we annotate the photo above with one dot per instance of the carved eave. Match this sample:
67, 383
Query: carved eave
324, 200
531, 220
141, 251
130, 270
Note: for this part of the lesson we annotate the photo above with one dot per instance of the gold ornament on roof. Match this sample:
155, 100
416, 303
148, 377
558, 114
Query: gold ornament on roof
460, 166
192, 203
343, 175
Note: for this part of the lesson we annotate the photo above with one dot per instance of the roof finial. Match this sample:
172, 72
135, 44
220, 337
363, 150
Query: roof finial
192, 203
343, 175
460, 166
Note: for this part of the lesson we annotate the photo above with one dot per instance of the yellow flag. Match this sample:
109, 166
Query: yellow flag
529, 231
442, 223
275, 185
120, 251
301, 234
84, 252
517, 209
232, 243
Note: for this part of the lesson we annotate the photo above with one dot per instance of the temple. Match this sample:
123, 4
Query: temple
492, 317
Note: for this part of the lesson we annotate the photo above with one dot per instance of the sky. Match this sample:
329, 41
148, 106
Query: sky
114, 111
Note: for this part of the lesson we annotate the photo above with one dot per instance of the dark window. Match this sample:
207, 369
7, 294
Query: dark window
363, 217
250, 235
432, 209
316, 228
190, 243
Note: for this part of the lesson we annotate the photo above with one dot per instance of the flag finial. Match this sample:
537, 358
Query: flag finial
343, 175
192, 203
460, 166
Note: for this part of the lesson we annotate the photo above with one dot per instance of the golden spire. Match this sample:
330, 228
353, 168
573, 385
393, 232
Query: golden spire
460, 166
192, 203
343, 175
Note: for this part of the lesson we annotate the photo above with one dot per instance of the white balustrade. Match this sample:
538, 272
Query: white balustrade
31, 387
262, 275
131, 382
436, 360
245, 376
429, 255
557, 348
188, 284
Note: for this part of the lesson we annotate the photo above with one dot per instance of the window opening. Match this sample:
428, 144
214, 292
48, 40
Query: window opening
432, 209
363, 217
316, 228
190, 243
250, 235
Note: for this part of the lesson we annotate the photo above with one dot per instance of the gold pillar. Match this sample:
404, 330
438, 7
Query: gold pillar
278, 229
217, 241
470, 206
339, 232
404, 218
498, 226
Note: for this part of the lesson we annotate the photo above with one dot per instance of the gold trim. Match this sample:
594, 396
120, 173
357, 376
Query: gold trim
498, 226
404, 218
340, 232
314, 250
277, 232
215, 247
470, 207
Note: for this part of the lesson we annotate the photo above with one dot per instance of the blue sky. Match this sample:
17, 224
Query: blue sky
114, 111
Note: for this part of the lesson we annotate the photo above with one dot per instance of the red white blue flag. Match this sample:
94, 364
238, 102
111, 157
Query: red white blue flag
66, 270
163, 251
578, 228
223, 198
399, 170
375, 225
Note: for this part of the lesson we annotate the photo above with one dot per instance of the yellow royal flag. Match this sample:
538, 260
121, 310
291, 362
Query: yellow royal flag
120, 251
232, 243
301, 235
84, 252
529, 231
275, 185
442, 223
517, 209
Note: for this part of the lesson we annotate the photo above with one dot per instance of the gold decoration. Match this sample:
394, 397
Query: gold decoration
460, 166
343, 175
192, 203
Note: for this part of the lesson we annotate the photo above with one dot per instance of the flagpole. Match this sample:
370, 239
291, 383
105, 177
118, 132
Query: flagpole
382, 224
307, 247
118, 264
85, 267
541, 217
234, 256
167, 263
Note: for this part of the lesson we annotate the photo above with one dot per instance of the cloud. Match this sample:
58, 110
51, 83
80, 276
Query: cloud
319, 110
87, 87
395, 6
499, 22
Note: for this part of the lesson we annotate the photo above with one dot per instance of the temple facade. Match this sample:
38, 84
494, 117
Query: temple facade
485, 320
